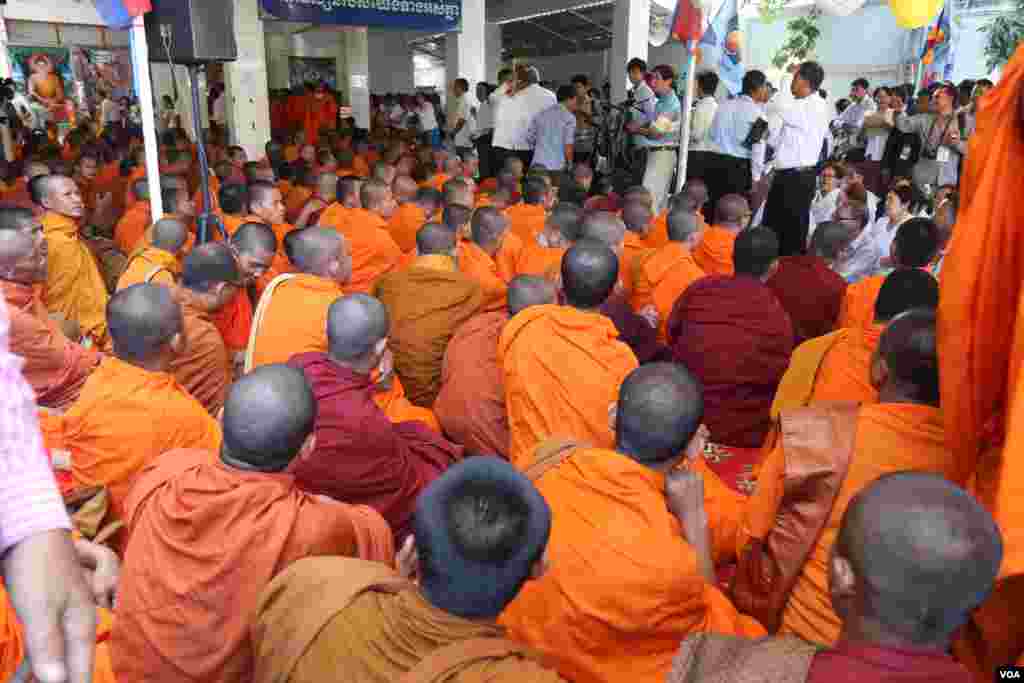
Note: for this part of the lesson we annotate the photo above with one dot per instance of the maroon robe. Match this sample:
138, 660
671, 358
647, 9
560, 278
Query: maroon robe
811, 292
735, 336
361, 458
860, 663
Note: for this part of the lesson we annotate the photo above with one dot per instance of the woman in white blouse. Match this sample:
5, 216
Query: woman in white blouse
897, 212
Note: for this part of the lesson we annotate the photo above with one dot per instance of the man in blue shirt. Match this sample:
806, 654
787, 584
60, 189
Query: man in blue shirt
552, 133
660, 138
727, 168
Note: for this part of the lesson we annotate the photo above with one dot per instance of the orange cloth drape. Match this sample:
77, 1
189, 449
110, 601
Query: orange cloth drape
392, 400
404, 225
296, 319
235, 322
74, 286
131, 229
374, 253
477, 264
205, 369
662, 278
858, 309
714, 253
144, 262
538, 260
526, 221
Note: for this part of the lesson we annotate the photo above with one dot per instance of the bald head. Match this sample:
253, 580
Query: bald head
435, 238
356, 324
310, 249
489, 227
903, 290
755, 252
525, 291
458, 191
143, 320
908, 349
604, 227
660, 408
589, 273
641, 194
637, 216
920, 577
269, 415
696, 190
374, 195
733, 211
683, 226
829, 240
254, 238
209, 265
348, 191
327, 186
563, 225
405, 189
170, 234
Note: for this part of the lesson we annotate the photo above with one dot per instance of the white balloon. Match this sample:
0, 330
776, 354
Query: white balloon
839, 8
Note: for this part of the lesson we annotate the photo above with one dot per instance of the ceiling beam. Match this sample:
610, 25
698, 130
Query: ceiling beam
590, 21
556, 34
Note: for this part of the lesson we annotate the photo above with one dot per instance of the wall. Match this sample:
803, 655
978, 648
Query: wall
391, 68
562, 68
58, 11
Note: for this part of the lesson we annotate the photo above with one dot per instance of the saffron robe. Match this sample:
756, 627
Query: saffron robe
477, 264
295, 320
74, 285
858, 308
150, 264
714, 253
204, 370
405, 223
131, 229
661, 278
373, 251
526, 221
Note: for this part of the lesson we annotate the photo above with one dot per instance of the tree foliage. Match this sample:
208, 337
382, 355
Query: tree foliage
1002, 36
802, 38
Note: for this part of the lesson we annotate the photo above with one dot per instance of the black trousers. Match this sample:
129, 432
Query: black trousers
724, 175
483, 150
500, 154
788, 209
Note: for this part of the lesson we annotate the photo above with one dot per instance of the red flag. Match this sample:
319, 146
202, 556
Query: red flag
687, 24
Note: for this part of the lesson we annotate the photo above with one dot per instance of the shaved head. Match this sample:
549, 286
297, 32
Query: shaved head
208, 265
903, 290
489, 226
143, 320
697, 190
310, 249
374, 194
458, 191
604, 227
733, 211
435, 238
660, 409
234, 199
269, 415
637, 216
755, 251
348, 191
405, 189
829, 240
682, 223
456, 217
910, 351
923, 555
170, 234
251, 238
261, 192
641, 194
525, 291
564, 223
355, 325
589, 273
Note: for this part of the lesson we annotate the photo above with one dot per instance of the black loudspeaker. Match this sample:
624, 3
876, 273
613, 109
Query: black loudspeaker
198, 31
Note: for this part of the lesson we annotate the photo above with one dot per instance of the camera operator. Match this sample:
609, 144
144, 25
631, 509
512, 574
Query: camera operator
734, 132
639, 112
660, 138
942, 141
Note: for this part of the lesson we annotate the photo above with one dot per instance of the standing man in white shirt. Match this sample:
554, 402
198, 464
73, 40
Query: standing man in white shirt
700, 125
516, 112
461, 117
660, 138
797, 129
428, 121
642, 102
851, 121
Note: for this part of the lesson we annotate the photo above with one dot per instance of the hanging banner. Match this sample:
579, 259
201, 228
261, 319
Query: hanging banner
424, 15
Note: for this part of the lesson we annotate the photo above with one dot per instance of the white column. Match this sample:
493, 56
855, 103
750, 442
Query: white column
493, 46
248, 104
466, 55
631, 27
357, 60
144, 91
5, 59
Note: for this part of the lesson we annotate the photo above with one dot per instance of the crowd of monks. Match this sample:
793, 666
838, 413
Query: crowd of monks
384, 422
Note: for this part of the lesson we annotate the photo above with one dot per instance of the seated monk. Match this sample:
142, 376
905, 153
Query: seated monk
323, 615
56, 367
325, 194
837, 367
478, 257
637, 216
714, 253
160, 261
234, 204
471, 405
529, 216
255, 247
694, 194
131, 229
210, 281
458, 218
74, 285
100, 568
734, 335
915, 245
563, 364
630, 552
226, 521
292, 314
808, 286
266, 206
851, 447
302, 190
413, 212
461, 191
895, 625
360, 456
19, 195
421, 326
131, 409
374, 253
543, 255
663, 275
347, 198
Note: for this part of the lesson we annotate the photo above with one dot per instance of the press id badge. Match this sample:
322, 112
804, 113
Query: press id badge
905, 153
942, 155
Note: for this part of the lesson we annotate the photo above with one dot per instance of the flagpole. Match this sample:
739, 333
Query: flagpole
684, 142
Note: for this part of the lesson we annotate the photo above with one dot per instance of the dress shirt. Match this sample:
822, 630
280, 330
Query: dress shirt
860, 259
877, 135
516, 113
29, 500
462, 108
731, 126
550, 132
428, 117
924, 125
797, 130
853, 115
485, 118
700, 126
642, 111
823, 208
883, 232
667, 108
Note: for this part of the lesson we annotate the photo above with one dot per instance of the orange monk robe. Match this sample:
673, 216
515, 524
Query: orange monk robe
891, 437
55, 366
620, 571
374, 253
131, 229
232, 222
137, 173
633, 249
295, 320
124, 418
404, 225
657, 236
537, 260
436, 182
858, 307
508, 256
471, 405
234, 322
200, 201
224, 533
285, 186
526, 221
661, 278
12, 642
205, 369
563, 369
836, 367
295, 201
481, 267
280, 265
391, 399
74, 286
421, 326
150, 264
319, 113
714, 253
291, 153
361, 166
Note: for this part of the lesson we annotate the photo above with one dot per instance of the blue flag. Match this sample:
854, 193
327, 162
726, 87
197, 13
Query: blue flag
721, 44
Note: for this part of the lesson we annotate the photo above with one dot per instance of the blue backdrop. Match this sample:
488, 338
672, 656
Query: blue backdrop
426, 15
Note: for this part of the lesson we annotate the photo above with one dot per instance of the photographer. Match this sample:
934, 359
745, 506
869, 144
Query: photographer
734, 132
942, 141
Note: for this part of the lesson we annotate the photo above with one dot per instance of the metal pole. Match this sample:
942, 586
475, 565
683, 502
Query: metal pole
684, 141
144, 89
